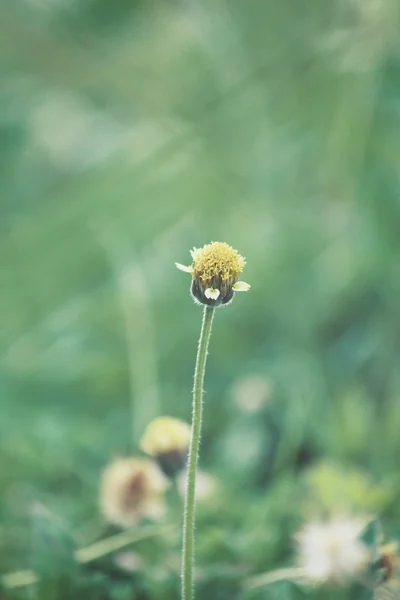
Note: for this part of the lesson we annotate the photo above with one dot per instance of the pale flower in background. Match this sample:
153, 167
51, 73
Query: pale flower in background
252, 392
132, 489
332, 551
206, 485
129, 561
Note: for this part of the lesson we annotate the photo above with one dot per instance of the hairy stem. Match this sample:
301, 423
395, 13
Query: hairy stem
190, 494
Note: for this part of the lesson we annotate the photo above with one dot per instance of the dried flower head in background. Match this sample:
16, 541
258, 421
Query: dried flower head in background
215, 273
332, 552
386, 572
167, 440
132, 489
388, 561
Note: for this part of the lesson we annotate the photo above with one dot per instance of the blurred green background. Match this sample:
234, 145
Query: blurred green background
131, 131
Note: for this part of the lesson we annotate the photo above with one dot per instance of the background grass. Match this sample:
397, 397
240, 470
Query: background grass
129, 133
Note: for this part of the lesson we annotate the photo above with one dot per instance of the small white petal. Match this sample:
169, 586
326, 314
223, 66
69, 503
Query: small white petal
211, 293
241, 286
195, 252
184, 268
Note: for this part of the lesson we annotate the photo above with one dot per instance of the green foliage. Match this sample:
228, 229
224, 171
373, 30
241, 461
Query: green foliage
129, 133
332, 488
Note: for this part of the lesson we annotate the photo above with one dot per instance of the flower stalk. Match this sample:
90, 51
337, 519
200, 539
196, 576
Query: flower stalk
215, 272
188, 549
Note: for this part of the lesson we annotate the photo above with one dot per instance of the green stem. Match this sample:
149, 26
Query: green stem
190, 494
287, 574
86, 555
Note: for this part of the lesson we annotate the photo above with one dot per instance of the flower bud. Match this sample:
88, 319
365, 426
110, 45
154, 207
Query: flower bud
167, 440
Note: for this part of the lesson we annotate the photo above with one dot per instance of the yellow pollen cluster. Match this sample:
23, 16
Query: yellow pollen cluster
217, 259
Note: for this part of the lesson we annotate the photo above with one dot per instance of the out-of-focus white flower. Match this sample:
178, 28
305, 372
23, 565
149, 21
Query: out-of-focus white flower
252, 392
129, 561
132, 489
206, 485
332, 551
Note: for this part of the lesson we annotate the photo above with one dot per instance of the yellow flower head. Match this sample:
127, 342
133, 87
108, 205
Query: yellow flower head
167, 439
215, 273
165, 434
132, 489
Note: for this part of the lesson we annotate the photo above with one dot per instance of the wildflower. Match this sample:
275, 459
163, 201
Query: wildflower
129, 561
332, 551
252, 393
215, 274
132, 489
206, 485
167, 440
388, 561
